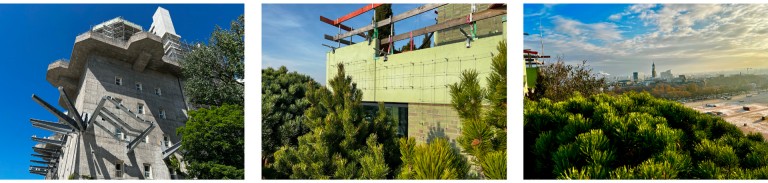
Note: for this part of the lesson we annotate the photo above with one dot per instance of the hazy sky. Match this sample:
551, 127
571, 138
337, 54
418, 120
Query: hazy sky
622, 38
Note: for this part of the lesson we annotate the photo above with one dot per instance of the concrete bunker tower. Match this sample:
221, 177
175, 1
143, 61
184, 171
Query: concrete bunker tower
123, 97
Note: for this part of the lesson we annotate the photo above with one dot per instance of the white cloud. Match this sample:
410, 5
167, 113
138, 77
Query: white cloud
602, 31
682, 37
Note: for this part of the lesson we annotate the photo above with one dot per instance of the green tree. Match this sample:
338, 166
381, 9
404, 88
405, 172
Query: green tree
558, 81
484, 131
283, 97
213, 144
212, 71
341, 143
383, 11
435, 160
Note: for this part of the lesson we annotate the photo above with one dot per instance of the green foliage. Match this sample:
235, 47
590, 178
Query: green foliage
211, 71
383, 11
559, 81
283, 97
635, 136
483, 131
213, 170
212, 141
435, 160
341, 143
495, 165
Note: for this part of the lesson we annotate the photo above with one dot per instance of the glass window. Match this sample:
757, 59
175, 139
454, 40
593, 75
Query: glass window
140, 109
147, 171
118, 80
119, 133
158, 92
166, 141
119, 170
139, 87
162, 114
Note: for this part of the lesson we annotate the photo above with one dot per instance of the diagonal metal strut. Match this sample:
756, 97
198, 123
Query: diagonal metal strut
71, 122
71, 107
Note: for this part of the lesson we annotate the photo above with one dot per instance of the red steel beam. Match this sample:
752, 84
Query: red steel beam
531, 52
342, 26
355, 13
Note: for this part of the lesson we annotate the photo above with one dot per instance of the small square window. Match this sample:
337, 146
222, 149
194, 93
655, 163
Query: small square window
162, 114
166, 141
118, 80
119, 170
140, 109
147, 171
119, 134
158, 92
139, 87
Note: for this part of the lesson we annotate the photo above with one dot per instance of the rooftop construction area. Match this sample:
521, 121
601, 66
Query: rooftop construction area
413, 80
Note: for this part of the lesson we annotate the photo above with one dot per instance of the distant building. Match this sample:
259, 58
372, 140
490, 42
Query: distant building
667, 75
634, 76
653, 70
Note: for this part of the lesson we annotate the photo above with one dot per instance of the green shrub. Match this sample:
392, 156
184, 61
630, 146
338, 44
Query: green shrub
635, 136
495, 165
436, 160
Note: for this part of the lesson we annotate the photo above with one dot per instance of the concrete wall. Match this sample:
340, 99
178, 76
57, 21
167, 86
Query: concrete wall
485, 28
98, 149
428, 121
419, 76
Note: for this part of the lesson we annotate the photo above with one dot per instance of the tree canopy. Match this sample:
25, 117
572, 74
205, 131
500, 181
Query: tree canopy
213, 72
559, 81
635, 136
213, 136
284, 101
341, 143
213, 144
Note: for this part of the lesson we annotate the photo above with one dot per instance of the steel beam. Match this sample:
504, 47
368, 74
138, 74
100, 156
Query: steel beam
114, 118
38, 172
71, 107
448, 24
330, 38
42, 162
355, 13
49, 141
342, 26
51, 151
51, 126
126, 110
386, 22
56, 112
98, 109
44, 156
111, 132
171, 150
140, 138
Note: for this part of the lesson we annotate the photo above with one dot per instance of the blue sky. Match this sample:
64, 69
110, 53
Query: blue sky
292, 34
618, 39
36, 35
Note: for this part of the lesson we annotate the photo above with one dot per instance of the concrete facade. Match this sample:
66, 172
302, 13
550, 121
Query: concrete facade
137, 73
419, 79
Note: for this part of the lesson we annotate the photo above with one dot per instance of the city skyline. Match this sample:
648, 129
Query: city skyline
619, 39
